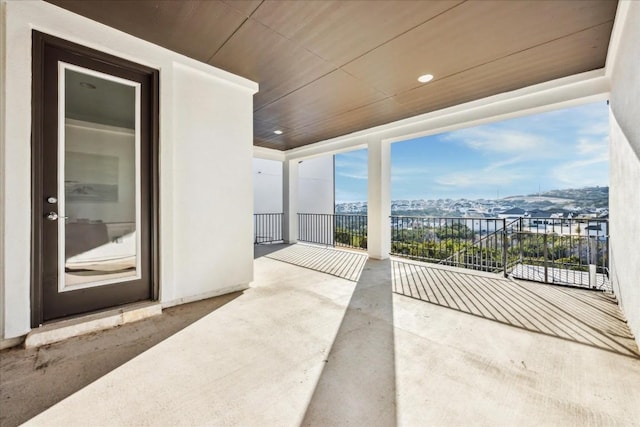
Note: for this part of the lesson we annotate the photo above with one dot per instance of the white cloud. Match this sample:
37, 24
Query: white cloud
506, 162
480, 177
501, 139
352, 165
408, 173
596, 128
582, 173
587, 166
593, 147
351, 169
353, 175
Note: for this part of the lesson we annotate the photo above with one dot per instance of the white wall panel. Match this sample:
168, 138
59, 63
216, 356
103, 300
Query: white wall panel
315, 190
624, 203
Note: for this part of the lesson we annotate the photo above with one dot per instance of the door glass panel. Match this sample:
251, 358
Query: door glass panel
98, 179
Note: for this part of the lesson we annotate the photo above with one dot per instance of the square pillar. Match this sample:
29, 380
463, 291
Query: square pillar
290, 200
379, 199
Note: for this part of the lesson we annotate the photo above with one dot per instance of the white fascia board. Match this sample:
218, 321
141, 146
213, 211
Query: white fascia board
616, 35
268, 154
540, 101
565, 92
341, 144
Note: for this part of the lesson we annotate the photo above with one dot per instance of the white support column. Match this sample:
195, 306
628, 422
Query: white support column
379, 199
290, 200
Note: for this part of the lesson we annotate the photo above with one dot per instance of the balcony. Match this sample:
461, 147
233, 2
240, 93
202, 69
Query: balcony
329, 337
571, 251
323, 335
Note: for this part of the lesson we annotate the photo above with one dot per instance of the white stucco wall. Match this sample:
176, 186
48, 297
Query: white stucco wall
315, 185
624, 199
267, 186
315, 188
206, 132
2, 177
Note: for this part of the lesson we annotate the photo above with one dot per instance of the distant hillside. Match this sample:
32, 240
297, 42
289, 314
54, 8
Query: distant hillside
587, 197
577, 201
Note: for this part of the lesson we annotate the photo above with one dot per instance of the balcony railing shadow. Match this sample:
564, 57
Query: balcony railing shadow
358, 383
582, 316
344, 264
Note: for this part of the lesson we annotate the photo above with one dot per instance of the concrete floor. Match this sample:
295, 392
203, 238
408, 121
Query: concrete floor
35, 379
302, 347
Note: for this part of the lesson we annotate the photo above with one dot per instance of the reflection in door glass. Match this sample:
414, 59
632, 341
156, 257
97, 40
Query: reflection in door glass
98, 169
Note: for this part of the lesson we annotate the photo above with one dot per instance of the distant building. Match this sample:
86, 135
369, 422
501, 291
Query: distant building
512, 213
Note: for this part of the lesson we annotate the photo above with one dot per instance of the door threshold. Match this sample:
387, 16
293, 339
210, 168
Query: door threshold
60, 330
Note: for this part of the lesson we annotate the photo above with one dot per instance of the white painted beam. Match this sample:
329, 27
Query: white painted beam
379, 198
268, 154
616, 35
290, 183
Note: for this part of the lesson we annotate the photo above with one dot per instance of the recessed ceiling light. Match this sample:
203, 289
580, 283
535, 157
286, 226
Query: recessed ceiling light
87, 85
277, 132
425, 78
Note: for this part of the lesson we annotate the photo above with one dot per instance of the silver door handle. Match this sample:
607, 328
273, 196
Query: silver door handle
53, 216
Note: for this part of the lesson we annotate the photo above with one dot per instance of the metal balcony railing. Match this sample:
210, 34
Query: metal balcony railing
551, 250
475, 243
562, 251
267, 228
333, 230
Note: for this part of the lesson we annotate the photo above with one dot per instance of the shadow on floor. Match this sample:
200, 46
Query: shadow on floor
337, 262
587, 317
264, 250
358, 383
32, 380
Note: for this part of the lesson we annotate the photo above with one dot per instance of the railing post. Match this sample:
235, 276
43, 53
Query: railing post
520, 234
335, 229
544, 255
505, 247
593, 255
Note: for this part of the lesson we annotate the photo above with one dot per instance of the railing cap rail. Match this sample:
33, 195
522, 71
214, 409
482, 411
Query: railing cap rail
469, 218
333, 214
604, 220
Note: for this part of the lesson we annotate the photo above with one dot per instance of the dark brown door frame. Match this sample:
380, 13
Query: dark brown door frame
39, 42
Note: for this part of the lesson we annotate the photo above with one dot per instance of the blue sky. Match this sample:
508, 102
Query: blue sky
566, 148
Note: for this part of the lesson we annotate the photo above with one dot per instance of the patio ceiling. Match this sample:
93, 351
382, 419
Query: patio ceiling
329, 68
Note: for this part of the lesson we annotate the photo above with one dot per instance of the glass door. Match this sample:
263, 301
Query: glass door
98, 179
94, 183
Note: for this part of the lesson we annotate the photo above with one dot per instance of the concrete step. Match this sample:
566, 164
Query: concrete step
67, 328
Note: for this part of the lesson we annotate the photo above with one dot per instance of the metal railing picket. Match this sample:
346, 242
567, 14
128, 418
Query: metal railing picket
552, 250
267, 228
333, 230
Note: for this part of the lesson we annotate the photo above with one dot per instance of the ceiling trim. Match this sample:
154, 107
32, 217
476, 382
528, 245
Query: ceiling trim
565, 92
268, 153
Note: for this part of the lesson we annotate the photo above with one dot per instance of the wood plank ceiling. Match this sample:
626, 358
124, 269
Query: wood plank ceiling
328, 68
